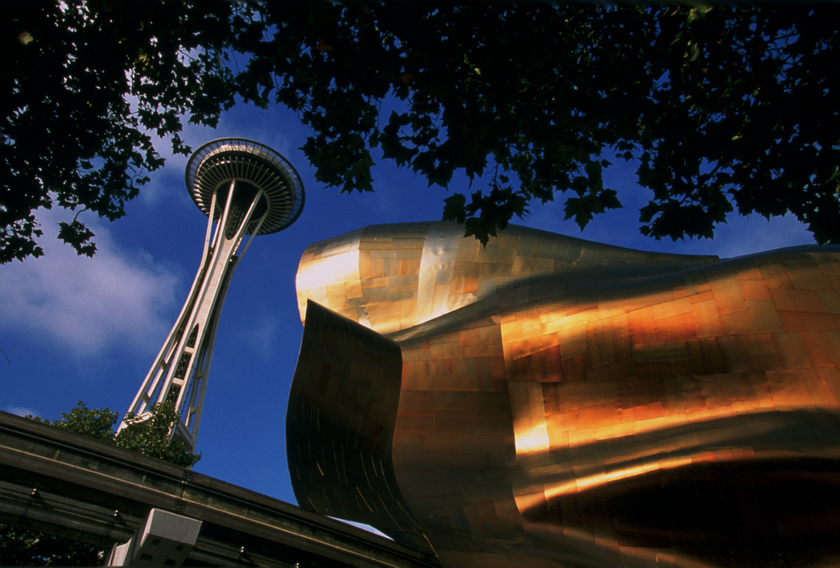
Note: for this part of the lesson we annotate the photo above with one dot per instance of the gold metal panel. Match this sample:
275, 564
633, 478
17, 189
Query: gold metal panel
797, 300
400, 281
831, 300
792, 351
413, 244
678, 326
776, 276
755, 290
830, 378
728, 294
764, 316
670, 309
750, 273
594, 406
809, 278
375, 244
829, 343
817, 356
835, 283
814, 321
790, 320
377, 267
737, 323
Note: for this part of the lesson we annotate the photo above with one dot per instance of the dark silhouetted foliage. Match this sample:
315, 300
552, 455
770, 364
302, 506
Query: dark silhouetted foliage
724, 108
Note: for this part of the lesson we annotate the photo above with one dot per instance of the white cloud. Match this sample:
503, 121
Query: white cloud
20, 411
88, 304
263, 334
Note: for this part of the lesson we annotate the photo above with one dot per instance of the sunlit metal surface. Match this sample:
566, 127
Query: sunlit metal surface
548, 401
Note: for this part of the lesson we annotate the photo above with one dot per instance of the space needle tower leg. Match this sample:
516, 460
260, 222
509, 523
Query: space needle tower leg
252, 190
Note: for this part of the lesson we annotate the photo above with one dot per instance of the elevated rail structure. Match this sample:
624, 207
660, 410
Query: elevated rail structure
75, 487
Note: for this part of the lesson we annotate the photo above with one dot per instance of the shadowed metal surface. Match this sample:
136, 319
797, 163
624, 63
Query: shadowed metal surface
566, 403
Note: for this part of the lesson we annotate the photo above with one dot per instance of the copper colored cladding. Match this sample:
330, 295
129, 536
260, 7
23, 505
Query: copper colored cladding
548, 401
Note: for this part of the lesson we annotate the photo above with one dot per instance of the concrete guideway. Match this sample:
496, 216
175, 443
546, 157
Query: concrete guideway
75, 487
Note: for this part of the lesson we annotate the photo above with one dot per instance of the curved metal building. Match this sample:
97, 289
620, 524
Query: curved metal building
552, 402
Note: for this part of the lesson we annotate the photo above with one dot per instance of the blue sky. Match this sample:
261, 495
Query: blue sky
84, 329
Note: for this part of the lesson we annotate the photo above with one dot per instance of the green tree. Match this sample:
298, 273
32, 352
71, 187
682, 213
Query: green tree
724, 108
22, 547
96, 423
152, 437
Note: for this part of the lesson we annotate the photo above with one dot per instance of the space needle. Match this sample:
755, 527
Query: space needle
244, 188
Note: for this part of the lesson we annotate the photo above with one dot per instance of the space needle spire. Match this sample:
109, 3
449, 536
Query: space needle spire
244, 188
